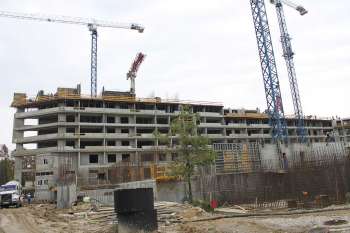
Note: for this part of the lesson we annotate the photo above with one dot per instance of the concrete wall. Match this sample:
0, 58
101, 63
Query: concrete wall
106, 196
66, 195
269, 157
171, 191
101, 196
47, 173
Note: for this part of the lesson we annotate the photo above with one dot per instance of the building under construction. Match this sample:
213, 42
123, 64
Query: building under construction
109, 139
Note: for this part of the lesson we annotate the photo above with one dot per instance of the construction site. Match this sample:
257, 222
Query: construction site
270, 169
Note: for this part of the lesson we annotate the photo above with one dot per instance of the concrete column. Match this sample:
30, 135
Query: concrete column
16, 134
18, 168
61, 117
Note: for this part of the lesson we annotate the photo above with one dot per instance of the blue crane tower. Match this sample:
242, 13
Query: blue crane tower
288, 55
269, 72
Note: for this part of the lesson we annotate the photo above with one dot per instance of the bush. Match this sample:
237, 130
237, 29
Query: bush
6, 171
347, 198
205, 205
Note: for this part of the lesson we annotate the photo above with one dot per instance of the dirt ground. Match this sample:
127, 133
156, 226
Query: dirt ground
45, 218
298, 223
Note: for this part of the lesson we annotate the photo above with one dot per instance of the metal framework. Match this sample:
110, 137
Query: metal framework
269, 72
288, 55
133, 71
93, 61
92, 24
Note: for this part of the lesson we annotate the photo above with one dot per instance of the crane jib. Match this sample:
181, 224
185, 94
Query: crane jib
92, 25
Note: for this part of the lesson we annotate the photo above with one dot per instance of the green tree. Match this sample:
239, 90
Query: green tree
6, 171
192, 150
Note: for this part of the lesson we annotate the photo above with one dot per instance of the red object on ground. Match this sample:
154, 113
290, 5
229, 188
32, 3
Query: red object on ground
214, 204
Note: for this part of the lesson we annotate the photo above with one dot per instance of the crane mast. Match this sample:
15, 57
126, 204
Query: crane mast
269, 72
93, 81
92, 24
288, 55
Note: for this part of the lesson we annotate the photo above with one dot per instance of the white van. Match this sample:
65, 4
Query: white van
10, 194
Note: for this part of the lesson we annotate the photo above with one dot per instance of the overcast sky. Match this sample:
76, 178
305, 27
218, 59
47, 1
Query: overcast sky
196, 50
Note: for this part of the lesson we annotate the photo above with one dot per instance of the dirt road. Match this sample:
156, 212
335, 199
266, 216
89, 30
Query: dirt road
18, 221
42, 219
46, 218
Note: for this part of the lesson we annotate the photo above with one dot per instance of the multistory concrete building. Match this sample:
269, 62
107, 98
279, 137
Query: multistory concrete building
95, 138
342, 130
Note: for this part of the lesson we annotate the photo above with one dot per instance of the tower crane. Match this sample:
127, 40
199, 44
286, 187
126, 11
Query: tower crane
288, 55
269, 71
133, 71
92, 25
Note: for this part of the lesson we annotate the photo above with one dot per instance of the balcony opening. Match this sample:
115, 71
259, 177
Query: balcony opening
124, 120
91, 119
173, 108
214, 131
111, 158
110, 105
48, 119
111, 143
163, 130
84, 144
198, 109
91, 104
91, 130
47, 131
70, 143
124, 106
252, 122
142, 106
140, 144
31, 122
110, 119
30, 133
124, 130
47, 144
147, 157
161, 107
162, 157
144, 120
101, 176
70, 130
125, 143
216, 109
70, 118
213, 120
126, 157
144, 131
110, 130
93, 158
162, 121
